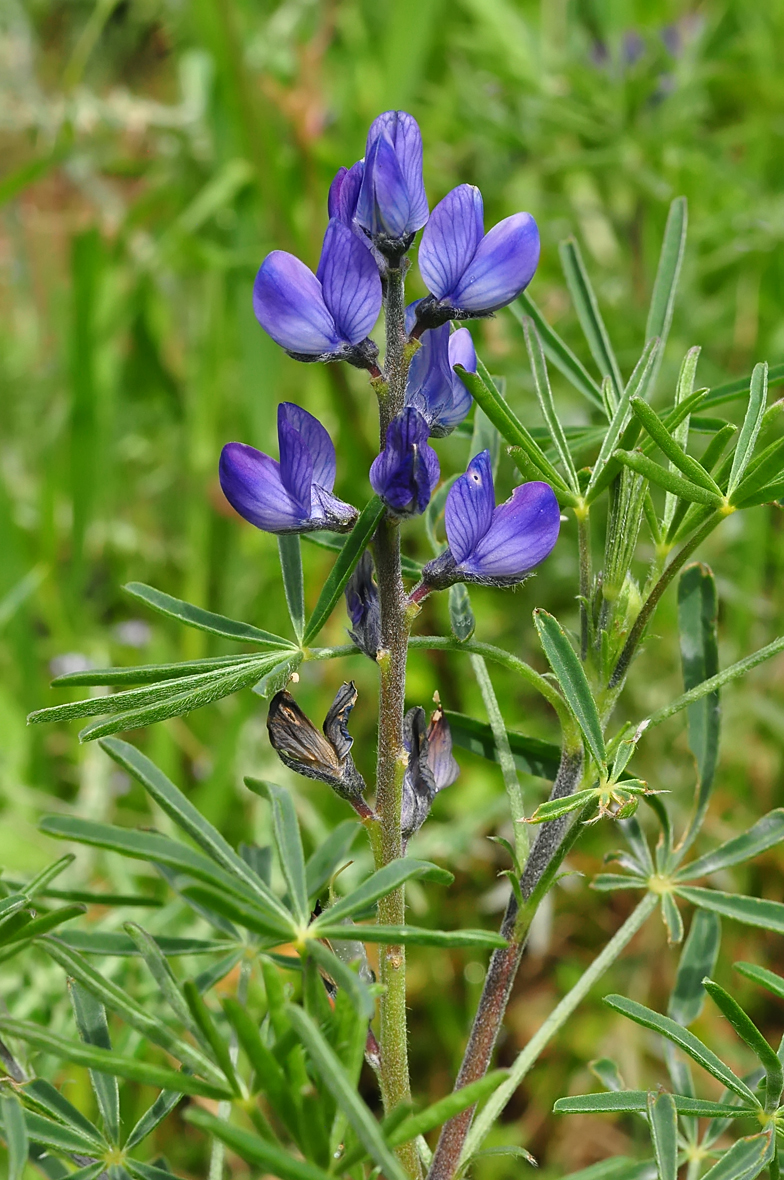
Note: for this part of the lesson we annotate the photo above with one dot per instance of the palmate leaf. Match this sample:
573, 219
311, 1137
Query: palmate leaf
684, 1040
203, 620
42, 1097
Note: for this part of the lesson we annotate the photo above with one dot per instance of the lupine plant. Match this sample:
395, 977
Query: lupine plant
280, 1054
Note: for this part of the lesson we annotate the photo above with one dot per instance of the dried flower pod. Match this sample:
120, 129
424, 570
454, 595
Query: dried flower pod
364, 608
431, 766
324, 756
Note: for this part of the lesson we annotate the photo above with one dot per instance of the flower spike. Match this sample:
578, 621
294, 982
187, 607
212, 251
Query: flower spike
433, 387
294, 495
469, 273
324, 316
494, 546
407, 470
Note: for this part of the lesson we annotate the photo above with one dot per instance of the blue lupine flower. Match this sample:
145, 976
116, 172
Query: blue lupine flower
294, 495
364, 607
344, 194
495, 546
324, 316
407, 470
433, 387
470, 273
431, 766
392, 203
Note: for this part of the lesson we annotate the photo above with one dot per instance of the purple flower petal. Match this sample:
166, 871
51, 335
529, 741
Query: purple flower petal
333, 197
382, 207
442, 764
451, 239
522, 534
344, 192
350, 281
432, 387
316, 439
404, 132
407, 470
503, 266
462, 351
469, 508
289, 305
296, 465
252, 484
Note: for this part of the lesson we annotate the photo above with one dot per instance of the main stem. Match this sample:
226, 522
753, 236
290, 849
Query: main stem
503, 969
395, 1084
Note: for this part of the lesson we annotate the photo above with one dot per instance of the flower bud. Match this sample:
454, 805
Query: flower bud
364, 608
431, 766
407, 470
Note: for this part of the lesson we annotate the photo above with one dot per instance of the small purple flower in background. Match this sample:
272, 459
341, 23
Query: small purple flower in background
431, 766
467, 272
294, 495
364, 608
433, 387
324, 316
392, 203
344, 194
494, 546
407, 470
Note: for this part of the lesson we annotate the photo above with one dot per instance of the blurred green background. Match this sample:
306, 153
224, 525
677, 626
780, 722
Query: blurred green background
152, 152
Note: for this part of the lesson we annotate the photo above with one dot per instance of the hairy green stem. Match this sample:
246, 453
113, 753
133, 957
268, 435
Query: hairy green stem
391, 763
652, 601
548, 851
556, 1020
571, 733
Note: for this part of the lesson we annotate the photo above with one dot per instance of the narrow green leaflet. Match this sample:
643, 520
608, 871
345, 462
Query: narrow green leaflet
663, 1122
618, 1167
506, 762
49, 874
330, 855
606, 882
511, 428
290, 553
148, 673
766, 833
764, 470
547, 404
672, 919
44, 1097
109, 1062
39, 926
278, 677
202, 1018
242, 912
752, 911
747, 1030
333, 1075
269, 1077
352, 550
632, 1101
557, 351
161, 973
758, 395
461, 615
663, 477
257, 1151
768, 979
698, 609
163, 1105
96, 942
685, 1041
745, 1159
698, 959
335, 542
587, 308
411, 935
572, 679
53, 1134
186, 816
668, 272
287, 841
202, 620
15, 1132
670, 447
379, 884
530, 754
90, 1016
740, 386
637, 386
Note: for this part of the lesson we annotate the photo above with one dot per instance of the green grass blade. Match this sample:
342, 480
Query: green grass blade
353, 548
558, 352
747, 1031
685, 1040
698, 959
663, 1123
334, 1077
572, 679
202, 620
591, 322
